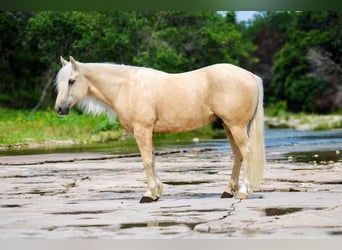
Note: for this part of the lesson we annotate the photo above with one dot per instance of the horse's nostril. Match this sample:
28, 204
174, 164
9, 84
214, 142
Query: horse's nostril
59, 110
62, 111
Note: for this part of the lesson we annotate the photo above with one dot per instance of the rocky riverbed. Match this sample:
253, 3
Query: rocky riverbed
93, 195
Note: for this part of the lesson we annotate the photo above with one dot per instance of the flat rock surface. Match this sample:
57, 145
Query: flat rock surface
97, 196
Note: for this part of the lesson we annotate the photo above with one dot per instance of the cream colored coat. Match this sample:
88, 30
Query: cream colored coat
149, 101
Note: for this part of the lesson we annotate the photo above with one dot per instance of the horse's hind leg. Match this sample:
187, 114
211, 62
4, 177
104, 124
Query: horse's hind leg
239, 134
233, 184
154, 190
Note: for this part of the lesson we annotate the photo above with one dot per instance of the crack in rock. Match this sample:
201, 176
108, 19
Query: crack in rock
205, 227
232, 209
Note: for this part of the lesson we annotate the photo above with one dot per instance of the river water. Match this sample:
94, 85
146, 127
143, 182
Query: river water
279, 143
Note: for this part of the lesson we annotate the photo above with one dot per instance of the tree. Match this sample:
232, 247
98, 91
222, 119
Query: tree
269, 32
12, 54
31, 44
181, 41
298, 77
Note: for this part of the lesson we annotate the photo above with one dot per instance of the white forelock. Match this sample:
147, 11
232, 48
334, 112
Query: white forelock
63, 75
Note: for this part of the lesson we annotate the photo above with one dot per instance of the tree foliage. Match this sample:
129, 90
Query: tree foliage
298, 54
269, 32
307, 69
171, 41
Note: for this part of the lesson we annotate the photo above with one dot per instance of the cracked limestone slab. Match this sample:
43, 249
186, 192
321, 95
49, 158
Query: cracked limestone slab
99, 198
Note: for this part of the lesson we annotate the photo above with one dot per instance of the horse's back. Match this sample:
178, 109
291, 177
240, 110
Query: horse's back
185, 101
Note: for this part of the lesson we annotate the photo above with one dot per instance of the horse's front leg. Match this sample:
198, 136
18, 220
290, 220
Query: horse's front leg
154, 190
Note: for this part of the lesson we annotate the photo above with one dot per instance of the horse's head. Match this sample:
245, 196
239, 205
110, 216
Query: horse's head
72, 86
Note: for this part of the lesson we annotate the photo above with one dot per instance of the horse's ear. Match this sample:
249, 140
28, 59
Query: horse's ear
74, 64
63, 61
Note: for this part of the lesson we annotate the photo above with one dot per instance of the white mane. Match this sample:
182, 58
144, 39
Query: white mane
89, 104
92, 106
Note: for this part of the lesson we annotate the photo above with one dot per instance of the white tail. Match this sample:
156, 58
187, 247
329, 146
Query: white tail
256, 137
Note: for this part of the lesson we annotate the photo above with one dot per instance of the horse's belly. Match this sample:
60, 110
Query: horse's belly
182, 122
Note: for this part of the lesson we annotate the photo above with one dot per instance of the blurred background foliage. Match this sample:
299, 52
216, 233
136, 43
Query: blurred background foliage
298, 54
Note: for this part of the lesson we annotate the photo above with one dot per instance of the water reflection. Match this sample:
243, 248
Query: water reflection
280, 140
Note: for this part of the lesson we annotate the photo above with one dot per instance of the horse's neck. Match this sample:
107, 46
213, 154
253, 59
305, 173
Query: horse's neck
105, 81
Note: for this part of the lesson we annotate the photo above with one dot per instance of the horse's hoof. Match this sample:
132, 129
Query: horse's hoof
226, 195
241, 196
146, 199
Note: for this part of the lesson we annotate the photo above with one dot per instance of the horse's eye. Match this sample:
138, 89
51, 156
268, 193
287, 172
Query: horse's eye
71, 81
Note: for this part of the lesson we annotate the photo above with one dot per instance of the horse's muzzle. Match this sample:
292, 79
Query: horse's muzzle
62, 111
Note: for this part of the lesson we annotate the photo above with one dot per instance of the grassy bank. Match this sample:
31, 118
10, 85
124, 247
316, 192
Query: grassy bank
277, 116
23, 127
20, 127
302, 121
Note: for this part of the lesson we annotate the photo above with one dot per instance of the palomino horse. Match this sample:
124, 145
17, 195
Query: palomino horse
149, 101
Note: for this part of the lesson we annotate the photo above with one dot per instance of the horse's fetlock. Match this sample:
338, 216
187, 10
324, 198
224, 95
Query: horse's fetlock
234, 187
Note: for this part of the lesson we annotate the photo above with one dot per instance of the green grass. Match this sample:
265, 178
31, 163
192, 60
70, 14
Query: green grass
20, 127
23, 127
